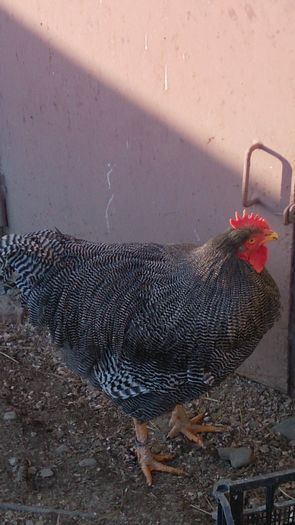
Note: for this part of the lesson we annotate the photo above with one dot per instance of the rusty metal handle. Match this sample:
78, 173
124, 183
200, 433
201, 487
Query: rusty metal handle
246, 175
289, 212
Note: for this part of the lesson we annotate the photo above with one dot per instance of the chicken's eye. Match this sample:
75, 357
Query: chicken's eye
251, 241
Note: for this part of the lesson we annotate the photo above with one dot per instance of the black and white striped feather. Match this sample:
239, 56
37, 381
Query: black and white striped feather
151, 325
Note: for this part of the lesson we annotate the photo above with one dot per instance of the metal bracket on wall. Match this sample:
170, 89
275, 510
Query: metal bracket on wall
288, 215
289, 212
3, 207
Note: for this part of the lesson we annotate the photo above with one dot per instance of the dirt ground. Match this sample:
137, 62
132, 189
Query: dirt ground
60, 421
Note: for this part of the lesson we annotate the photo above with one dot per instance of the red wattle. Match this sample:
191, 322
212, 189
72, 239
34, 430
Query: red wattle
257, 259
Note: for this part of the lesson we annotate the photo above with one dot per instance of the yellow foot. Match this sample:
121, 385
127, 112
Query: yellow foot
181, 424
149, 462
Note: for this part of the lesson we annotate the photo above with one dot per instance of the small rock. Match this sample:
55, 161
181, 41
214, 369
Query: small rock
88, 462
264, 449
156, 449
12, 461
46, 472
9, 416
62, 449
286, 428
29, 522
238, 457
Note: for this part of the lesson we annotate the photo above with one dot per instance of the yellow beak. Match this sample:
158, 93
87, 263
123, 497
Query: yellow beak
271, 236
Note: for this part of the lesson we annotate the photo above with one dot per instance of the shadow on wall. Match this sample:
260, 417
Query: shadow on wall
78, 155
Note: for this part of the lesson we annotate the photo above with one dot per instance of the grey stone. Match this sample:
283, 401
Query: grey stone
88, 462
238, 457
62, 449
9, 416
12, 461
286, 428
46, 472
29, 522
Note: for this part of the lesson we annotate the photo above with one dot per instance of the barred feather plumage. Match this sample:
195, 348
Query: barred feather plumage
146, 323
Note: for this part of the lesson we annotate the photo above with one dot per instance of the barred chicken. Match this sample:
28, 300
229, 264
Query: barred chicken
153, 326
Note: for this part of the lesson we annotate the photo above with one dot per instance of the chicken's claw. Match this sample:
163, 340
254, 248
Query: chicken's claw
181, 424
149, 463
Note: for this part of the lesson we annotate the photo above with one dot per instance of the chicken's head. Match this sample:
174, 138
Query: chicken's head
253, 250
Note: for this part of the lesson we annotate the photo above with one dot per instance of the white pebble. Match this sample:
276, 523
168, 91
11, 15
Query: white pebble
12, 462
46, 472
87, 462
9, 416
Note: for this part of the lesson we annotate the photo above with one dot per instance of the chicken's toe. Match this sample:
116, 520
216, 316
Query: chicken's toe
149, 463
181, 424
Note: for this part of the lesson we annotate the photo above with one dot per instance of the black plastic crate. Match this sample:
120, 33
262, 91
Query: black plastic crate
231, 496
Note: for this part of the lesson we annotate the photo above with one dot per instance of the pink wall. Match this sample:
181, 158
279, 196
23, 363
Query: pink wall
125, 120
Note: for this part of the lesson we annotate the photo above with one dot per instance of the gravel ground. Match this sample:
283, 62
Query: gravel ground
66, 446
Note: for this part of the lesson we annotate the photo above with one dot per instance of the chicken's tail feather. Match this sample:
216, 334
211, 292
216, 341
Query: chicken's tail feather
29, 256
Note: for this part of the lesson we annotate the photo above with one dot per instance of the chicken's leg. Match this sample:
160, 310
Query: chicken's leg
149, 462
181, 424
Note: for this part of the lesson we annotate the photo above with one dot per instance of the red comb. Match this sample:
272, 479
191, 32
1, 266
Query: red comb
248, 220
